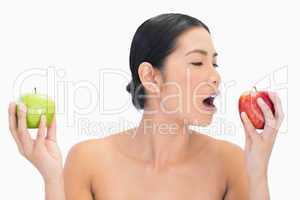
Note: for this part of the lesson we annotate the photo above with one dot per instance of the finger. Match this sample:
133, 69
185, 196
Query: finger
272, 131
23, 135
248, 137
279, 115
13, 125
52, 130
41, 134
248, 126
270, 121
248, 140
22, 111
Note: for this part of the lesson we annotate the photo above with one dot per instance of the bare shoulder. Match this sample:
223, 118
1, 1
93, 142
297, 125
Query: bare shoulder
89, 145
86, 160
81, 157
233, 157
90, 150
227, 152
229, 149
219, 143
230, 157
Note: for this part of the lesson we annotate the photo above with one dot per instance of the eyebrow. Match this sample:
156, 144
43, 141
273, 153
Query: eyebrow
201, 51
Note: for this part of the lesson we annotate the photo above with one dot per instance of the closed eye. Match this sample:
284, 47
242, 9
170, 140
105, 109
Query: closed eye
197, 63
200, 63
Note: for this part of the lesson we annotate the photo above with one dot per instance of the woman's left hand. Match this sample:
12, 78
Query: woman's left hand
258, 146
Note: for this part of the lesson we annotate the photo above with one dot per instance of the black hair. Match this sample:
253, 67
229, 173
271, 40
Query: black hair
153, 41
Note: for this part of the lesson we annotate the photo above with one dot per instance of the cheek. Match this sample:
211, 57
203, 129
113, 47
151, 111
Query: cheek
181, 82
175, 81
172, 94
196, 86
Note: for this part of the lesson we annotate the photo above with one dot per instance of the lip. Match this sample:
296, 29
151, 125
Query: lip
215, 94
211, 109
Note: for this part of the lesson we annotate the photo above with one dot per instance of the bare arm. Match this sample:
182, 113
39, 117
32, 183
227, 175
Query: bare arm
258, 189
237, 180
258, 148
54, 190
77, 173
42, 152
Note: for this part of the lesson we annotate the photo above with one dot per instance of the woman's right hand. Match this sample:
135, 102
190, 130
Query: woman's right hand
43, 152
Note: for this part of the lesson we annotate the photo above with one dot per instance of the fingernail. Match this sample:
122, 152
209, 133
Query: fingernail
260, 100
43, 119
243, 114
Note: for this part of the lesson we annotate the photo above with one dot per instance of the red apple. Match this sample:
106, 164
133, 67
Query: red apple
248, 104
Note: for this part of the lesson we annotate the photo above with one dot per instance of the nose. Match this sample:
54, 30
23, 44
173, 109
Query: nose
214, 78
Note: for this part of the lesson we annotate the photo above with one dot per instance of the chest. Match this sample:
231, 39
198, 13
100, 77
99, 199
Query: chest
205, 182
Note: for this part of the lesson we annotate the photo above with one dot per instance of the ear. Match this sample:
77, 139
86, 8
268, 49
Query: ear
150, 77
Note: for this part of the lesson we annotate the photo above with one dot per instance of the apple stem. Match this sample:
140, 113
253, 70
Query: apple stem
35, 90
255, 89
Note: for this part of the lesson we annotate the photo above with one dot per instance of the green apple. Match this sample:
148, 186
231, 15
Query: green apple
37, 104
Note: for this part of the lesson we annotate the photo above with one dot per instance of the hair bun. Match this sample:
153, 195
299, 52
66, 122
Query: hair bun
129, 85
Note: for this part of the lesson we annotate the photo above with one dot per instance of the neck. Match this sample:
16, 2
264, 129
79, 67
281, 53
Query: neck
161, 140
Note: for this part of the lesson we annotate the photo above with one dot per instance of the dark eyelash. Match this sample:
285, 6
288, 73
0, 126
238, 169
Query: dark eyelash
197, 63
200, 63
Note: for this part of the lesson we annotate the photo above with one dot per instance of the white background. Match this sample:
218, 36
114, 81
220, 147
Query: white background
257, 43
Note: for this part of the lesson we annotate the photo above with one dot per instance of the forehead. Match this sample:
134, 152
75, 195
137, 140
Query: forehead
195, 38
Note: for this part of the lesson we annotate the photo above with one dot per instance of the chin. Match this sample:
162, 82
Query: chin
203, 121
204, 124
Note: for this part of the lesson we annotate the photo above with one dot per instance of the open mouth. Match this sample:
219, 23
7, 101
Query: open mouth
209, 101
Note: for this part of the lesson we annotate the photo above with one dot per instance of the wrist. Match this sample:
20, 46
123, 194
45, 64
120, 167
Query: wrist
258, 188
258, 173
59, 179
54, 189
54, 183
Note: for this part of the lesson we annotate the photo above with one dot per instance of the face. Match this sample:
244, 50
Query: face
189, 79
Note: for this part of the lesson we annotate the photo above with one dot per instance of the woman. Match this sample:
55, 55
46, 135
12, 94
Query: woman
174, 80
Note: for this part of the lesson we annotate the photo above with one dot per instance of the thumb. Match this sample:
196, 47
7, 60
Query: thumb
250, 131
